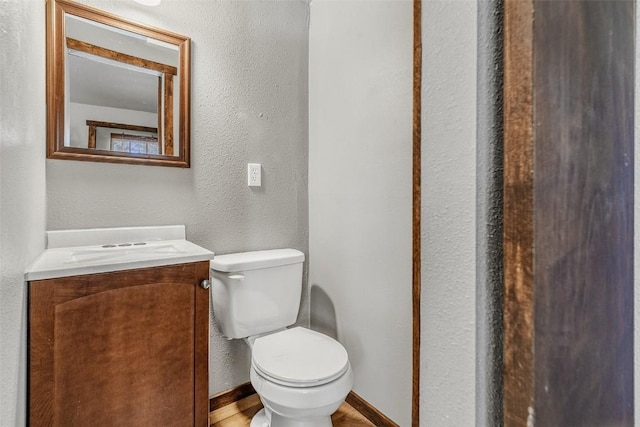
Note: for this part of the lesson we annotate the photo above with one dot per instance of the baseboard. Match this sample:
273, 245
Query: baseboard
358, 403
368, 411
229, 396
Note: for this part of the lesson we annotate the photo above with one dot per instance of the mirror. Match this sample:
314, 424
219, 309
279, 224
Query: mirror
117, 91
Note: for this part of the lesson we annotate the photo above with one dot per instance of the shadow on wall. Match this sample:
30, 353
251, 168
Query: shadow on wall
323, 313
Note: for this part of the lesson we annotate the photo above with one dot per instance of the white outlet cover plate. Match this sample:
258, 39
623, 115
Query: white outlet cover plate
254, 175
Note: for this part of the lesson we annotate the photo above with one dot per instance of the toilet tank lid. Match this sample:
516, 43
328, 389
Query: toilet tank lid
256, 259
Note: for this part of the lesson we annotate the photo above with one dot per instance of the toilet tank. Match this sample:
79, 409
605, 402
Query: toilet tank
256, 292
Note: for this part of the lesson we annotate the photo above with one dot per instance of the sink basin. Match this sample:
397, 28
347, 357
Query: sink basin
103, 255
126, 251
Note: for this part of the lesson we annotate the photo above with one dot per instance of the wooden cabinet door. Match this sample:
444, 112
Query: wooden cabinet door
128, 348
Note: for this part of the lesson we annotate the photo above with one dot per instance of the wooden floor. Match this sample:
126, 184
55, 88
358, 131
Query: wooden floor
238, 414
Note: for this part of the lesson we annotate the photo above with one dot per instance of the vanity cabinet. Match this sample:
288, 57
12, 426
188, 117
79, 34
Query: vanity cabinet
127, 348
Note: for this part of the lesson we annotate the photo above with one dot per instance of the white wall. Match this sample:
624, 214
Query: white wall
360, 198
22, 188
249, 104
448, 304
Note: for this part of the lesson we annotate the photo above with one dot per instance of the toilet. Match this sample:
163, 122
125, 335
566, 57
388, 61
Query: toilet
301, 376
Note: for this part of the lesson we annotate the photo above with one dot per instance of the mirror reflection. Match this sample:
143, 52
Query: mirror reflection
125, 90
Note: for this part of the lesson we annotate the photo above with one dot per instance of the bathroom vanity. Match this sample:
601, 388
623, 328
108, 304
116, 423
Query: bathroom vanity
118, 332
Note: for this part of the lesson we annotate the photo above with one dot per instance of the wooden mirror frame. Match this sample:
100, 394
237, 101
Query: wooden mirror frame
55, 61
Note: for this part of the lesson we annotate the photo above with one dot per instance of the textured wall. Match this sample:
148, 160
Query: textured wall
22, 188
360, 191
251, 61
489, 216
636, 225
448, 304
249, 104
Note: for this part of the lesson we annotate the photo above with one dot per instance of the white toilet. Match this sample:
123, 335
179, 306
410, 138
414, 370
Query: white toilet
301, 376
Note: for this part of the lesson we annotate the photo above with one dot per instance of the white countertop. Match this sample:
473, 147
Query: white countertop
91, 251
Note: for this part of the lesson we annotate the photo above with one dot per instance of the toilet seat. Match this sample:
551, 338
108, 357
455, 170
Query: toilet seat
299, 357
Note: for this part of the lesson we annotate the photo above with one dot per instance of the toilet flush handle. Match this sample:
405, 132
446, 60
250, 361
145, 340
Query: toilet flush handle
236, 276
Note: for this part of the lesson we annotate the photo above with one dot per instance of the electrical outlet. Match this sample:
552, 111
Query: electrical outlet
254, 175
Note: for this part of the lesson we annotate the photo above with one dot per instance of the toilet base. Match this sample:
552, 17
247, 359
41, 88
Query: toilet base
262, 420
299, 406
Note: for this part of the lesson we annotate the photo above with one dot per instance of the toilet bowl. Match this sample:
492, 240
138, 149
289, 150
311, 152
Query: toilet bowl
301, 376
